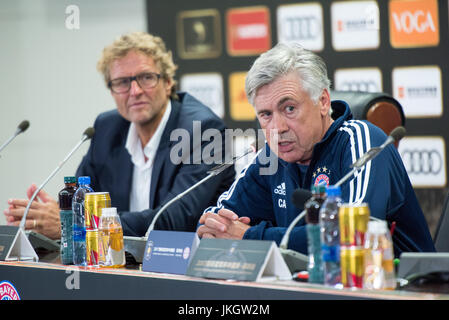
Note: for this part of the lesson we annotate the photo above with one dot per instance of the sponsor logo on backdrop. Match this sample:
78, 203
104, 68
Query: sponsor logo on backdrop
355, 25
302, 23
358, 79
418, 89
248, 30
414, 23
199, 34
425, 160
206, 87
8, 291
240, 108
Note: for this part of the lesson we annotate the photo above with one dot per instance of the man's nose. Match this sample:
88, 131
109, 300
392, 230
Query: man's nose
135, 88
279, 123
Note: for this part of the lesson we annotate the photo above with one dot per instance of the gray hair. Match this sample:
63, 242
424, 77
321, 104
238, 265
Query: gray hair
283, 59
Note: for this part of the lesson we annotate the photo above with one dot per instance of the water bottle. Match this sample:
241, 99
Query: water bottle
65, 197
79, 227
379, 267
330, 237
312, 207
111, 239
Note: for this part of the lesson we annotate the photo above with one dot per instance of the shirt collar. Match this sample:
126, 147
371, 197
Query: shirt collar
134, 146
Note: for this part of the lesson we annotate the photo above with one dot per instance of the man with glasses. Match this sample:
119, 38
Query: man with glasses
129, 155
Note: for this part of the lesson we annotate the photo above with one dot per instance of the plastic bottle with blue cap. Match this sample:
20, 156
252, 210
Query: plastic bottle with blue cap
330, 237
79, 226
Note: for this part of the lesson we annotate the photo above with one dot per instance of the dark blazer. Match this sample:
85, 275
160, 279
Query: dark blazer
109, 165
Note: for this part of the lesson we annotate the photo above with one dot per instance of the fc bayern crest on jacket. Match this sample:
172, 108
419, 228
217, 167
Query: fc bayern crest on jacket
321, 176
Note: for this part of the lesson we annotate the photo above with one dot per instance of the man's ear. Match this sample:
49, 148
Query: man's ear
324, 102
168, 86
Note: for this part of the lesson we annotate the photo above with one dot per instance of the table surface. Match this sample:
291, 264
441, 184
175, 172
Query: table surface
39, 280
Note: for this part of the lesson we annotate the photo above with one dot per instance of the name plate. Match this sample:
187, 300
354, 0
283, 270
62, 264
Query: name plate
7, 237
244, 260
169, 251
15, 246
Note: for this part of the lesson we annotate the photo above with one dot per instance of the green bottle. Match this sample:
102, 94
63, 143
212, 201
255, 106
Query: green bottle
312, 206
66, 215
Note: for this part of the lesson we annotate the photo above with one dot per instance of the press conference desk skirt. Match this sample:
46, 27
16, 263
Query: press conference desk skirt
38, 280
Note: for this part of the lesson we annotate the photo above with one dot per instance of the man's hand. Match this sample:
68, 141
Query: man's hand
43, 216
225, 224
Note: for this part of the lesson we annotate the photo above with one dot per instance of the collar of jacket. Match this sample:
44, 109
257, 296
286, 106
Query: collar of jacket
172, 121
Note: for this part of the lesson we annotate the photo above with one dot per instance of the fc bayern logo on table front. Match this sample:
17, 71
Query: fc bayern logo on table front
8, 291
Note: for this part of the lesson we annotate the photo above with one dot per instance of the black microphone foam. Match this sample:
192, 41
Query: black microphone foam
23, 125
398, 133
89, 132
300, 196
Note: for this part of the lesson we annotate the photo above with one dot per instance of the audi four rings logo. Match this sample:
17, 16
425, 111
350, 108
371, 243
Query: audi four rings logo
366, 86
306, 27
422, 161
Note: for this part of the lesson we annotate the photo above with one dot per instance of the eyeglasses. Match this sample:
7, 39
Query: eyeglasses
146, 80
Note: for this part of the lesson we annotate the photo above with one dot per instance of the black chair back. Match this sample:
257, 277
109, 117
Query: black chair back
441, 238
379, 108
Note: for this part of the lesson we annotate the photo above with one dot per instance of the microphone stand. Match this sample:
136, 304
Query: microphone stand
16, 244
349, 174
211, 173
27, 209
136, 245
9, 140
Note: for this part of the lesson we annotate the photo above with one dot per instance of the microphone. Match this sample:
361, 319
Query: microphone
211, 173
136, 245
299, 198
22, 127
88, 134
397, 134
297, 261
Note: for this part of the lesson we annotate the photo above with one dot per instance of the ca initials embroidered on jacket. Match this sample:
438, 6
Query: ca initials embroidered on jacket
280, 190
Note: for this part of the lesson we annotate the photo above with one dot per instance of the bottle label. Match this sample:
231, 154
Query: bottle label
330, 253
77, 207
79, 233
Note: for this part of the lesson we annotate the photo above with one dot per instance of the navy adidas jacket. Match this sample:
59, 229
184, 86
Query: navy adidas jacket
383, 184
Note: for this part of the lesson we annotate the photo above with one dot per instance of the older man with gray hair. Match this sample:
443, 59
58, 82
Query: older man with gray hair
315, 141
